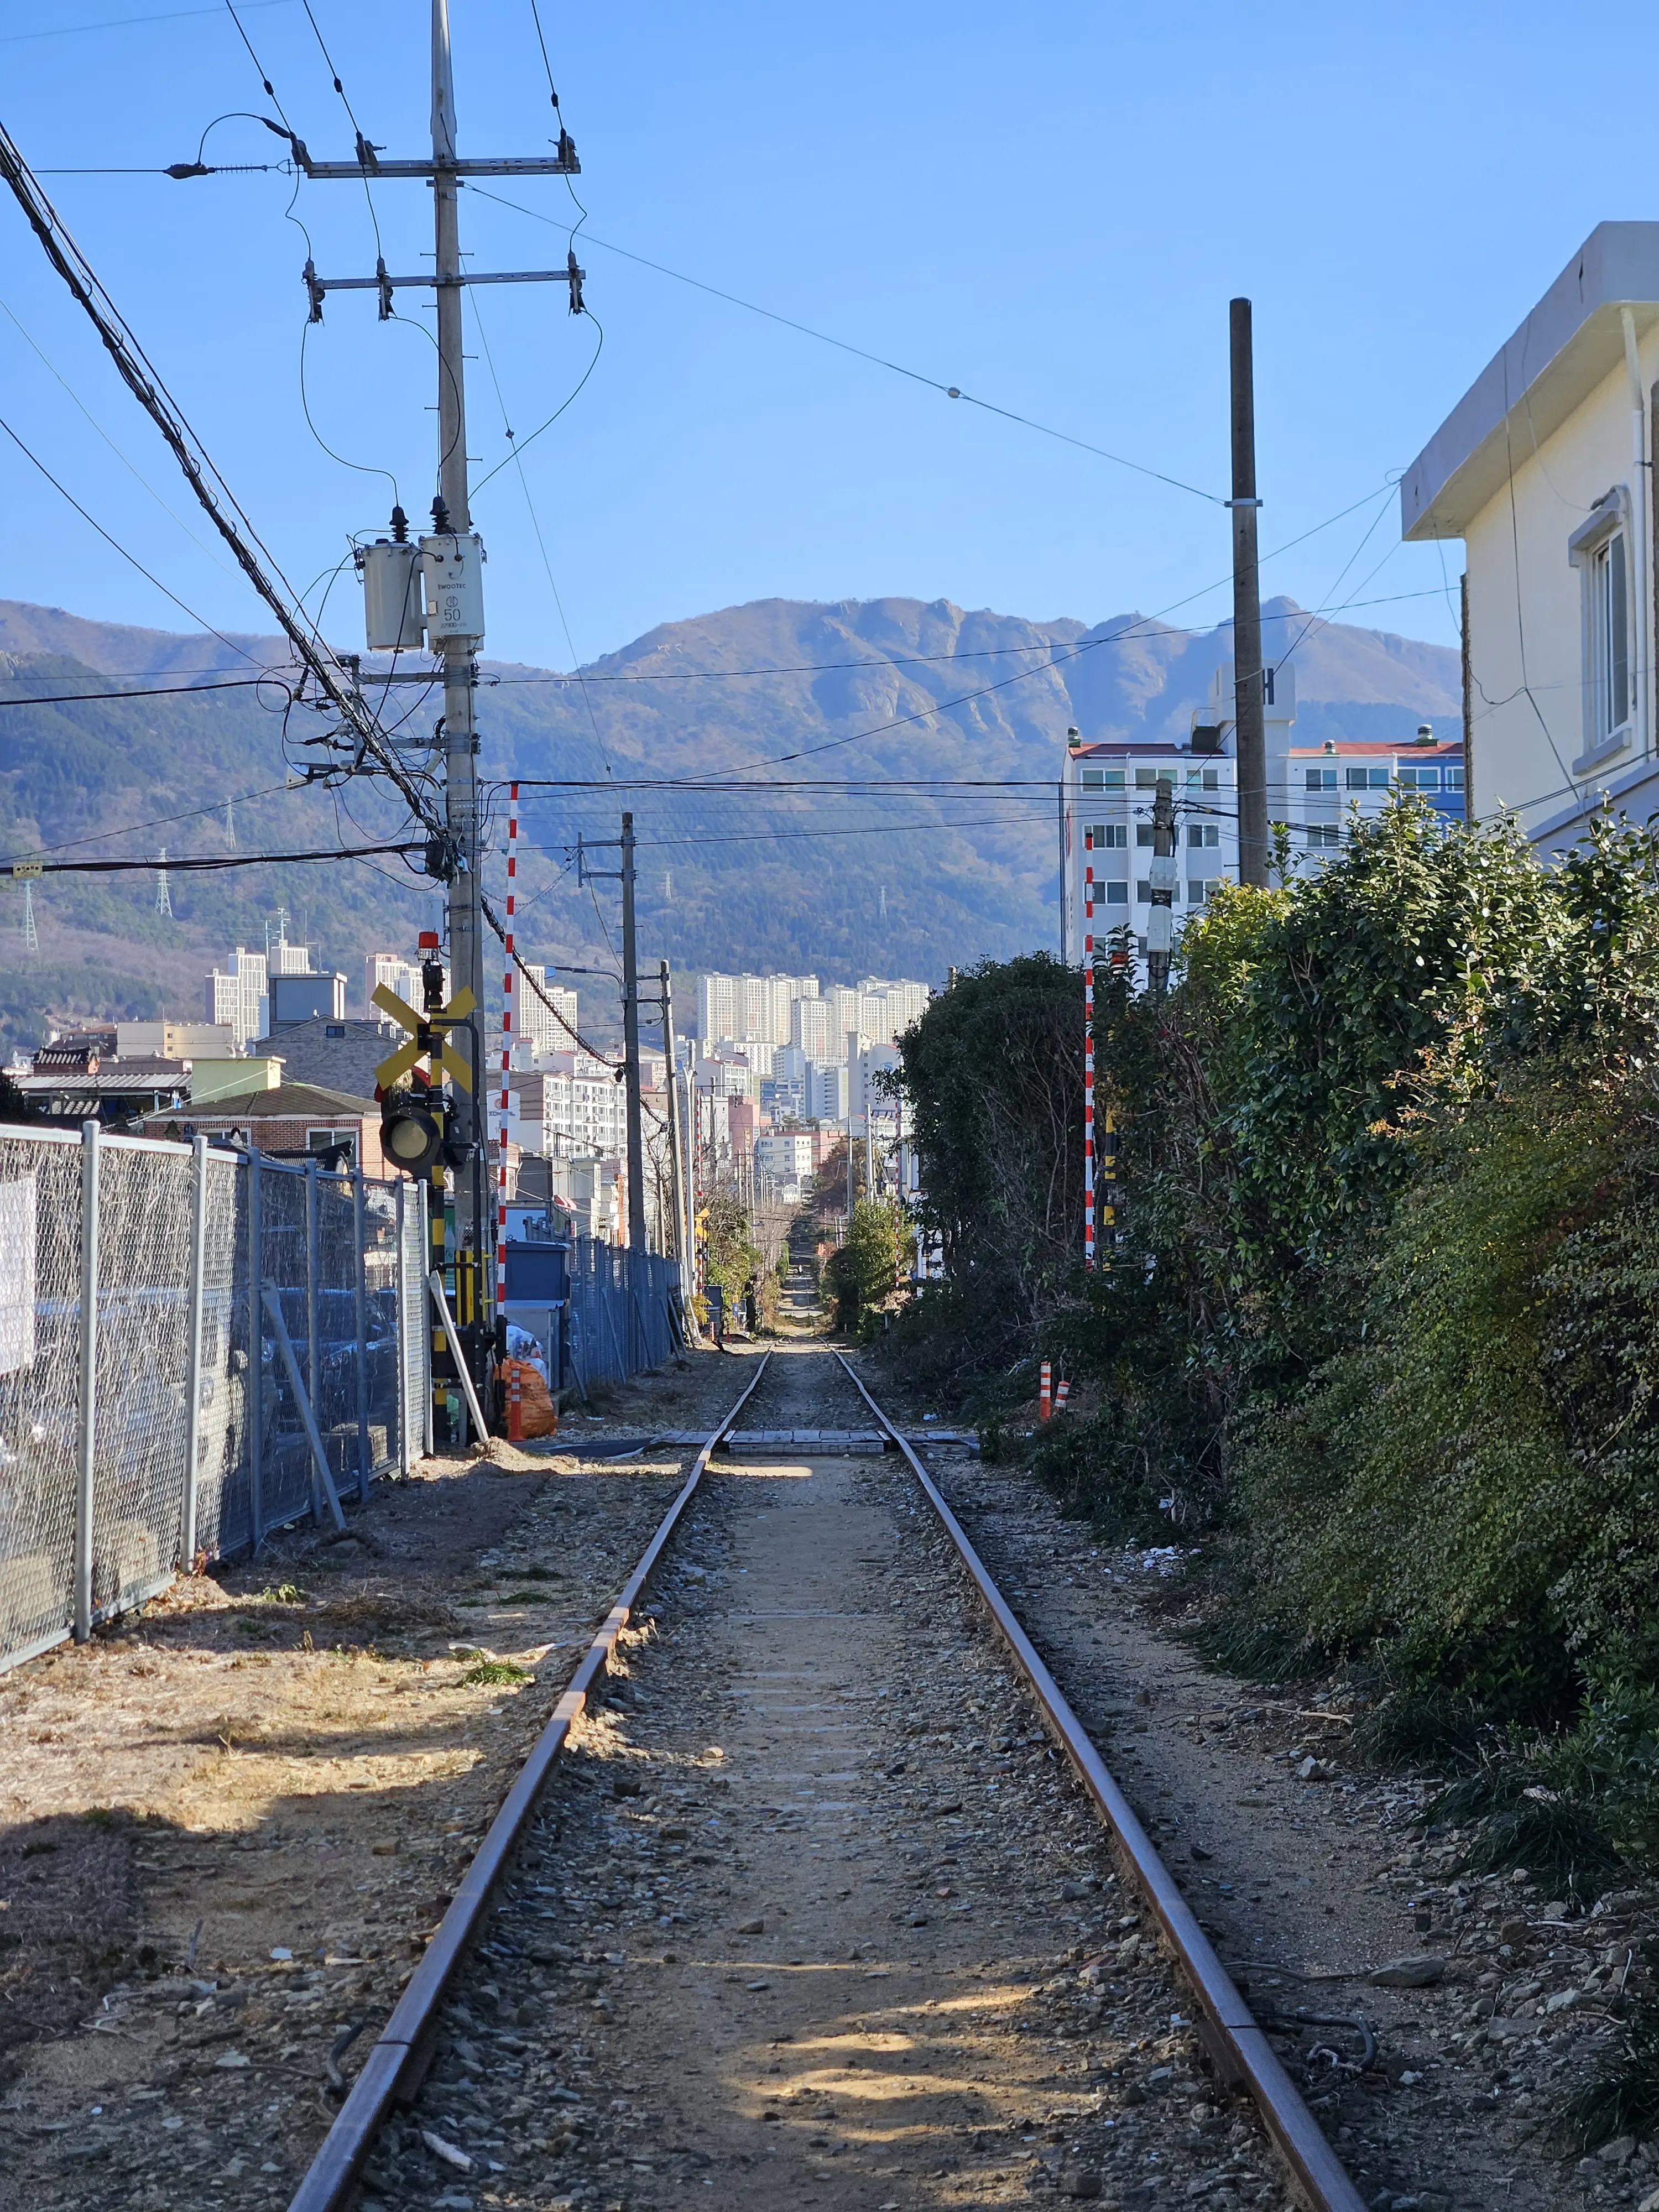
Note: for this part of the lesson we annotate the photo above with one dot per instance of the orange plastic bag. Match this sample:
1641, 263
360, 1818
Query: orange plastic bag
538, 1415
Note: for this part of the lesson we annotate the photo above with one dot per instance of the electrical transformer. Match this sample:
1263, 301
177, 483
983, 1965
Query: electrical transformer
394, 614
453, 566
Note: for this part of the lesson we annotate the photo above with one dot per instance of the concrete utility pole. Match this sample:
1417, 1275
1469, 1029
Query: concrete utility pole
636, 1235
447, 569
1160, 922
677, 1242
452, 512
1248, 707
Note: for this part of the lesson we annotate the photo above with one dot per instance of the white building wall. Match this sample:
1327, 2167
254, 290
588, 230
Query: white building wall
809, 1028
238, 996
1525, 626
537, 1026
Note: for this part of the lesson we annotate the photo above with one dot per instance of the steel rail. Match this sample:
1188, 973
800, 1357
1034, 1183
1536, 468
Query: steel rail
405, 2043
1235, 2042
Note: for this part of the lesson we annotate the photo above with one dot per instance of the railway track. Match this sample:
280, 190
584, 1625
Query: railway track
841, 1752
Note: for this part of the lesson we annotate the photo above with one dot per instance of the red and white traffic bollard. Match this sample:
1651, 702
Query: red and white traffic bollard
1063, 1390
1045, 1392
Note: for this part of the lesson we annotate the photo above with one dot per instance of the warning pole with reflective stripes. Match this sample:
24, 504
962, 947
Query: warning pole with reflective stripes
506, 1043
1089, 1064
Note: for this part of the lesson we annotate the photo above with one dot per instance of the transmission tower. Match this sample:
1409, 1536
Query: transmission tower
163, 897
230, 824
31, 940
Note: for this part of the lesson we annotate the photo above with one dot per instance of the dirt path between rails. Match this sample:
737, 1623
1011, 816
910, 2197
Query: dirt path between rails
227, 1825
1310, 1878
814, 1916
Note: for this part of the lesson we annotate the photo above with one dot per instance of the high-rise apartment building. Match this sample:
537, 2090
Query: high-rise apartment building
783, 1011
283, 958
538, 1023
746, 1008
809, 1027
238, 997
396, 973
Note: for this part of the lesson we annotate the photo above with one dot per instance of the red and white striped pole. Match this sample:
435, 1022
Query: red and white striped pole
1045, 1391
1089, 1064
507, 1043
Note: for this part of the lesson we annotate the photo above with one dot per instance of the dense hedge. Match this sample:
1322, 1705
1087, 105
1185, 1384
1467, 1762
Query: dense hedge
1383, 1310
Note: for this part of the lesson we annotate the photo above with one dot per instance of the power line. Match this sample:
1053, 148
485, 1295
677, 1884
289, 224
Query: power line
206, 480
123, 22
148, 574
53, 370
153, 692
844, 345
270, 89
906, 659
157, 822
211, 863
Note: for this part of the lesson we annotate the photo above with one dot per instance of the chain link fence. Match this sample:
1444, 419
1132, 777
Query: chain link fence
622, 1311
195, 1347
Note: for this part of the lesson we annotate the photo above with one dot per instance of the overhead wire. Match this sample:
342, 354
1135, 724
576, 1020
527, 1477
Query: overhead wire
515, 455
155, 822
845, 345
898, 659
270, 89
211, 863
147, 691
364, 148
123, 22
53, 370
132, 559
205, 479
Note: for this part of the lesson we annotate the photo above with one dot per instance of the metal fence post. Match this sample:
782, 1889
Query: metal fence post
311, 1320
193, 1401
256, 1340
84, 1498
403, 1334
360, 1292
428, 1439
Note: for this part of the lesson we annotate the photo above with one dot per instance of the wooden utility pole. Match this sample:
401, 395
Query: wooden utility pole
636, 1235
1249, 719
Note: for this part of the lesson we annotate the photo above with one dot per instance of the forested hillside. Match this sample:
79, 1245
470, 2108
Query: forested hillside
949, 725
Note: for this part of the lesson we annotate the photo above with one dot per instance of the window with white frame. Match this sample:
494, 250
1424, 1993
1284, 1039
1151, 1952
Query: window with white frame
1600, 550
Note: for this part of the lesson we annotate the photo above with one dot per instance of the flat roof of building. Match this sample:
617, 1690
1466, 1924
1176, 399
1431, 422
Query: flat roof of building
1339, 748
1132, 745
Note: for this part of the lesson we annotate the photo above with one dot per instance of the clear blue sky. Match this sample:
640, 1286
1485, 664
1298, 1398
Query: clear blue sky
1048, 206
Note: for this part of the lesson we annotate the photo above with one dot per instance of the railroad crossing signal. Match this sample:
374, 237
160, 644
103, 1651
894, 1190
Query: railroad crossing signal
426, 1041
413, 1123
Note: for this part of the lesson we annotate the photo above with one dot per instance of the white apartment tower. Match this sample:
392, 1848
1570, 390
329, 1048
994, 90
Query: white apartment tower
239, 997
